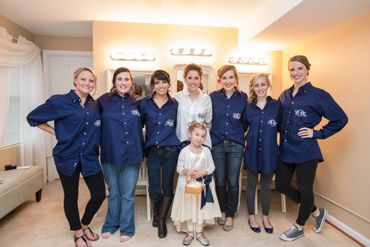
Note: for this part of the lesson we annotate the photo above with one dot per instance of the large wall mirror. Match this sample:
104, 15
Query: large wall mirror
140, 78
208, 79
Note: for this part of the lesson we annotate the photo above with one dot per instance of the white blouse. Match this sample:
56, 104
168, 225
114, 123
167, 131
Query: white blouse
199, 110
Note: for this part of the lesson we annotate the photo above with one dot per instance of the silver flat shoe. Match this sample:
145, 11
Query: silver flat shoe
202, 240
188, 239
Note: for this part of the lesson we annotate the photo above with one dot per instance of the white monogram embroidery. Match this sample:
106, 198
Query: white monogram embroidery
135, 112
272, 122
236, 116
97, 123
300, 113
169, 122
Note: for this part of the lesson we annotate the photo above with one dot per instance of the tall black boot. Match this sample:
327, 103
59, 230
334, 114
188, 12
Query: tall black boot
165, 206
156, 204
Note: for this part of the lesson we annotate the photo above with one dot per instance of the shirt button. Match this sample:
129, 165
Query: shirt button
157, 132
83, 144
292, 102
124, 123
160, 113
126, 132
87, 123
260, 140
226, 132
285, 140
227, 123
260, 149
123, 113
287, 121
262, 112
156, 142
227, 115
123, 107
286, 131
85, 133
159, 122
127, 142
81, 154
87, 113
228, 106
261, 121
290, 112
260, 130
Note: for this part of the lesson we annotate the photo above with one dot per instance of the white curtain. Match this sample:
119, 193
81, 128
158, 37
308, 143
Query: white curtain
25, 57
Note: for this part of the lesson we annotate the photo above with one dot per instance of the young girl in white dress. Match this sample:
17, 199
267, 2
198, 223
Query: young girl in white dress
191, 212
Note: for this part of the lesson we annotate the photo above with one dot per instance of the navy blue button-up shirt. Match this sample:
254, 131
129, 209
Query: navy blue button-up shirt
160, 123
261, 153
122, 138
77, 130
306, 109
227, 118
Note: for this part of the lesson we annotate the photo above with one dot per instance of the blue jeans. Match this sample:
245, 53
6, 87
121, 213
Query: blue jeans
121, 182
227, 157
165, 158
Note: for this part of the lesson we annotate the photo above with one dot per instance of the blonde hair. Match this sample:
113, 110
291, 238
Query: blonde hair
252, 94
195, 124
81, 69
224, 68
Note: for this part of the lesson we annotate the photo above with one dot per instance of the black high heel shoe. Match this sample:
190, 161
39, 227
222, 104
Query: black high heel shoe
255, 229
268, 229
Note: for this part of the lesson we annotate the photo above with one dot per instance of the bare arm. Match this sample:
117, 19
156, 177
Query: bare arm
47, 128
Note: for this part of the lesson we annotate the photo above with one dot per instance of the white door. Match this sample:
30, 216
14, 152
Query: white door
58, 76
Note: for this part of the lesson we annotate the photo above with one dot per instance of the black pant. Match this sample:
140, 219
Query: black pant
96, 186
305, 174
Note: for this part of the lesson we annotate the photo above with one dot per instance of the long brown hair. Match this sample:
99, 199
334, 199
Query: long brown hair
115, 74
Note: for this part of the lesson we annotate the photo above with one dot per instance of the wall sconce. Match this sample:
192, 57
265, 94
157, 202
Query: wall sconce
248, 60
132, 56
202, 52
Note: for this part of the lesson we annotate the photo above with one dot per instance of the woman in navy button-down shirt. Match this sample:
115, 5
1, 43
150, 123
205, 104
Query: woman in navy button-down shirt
303, 107
121, 153
261, 151
77, 129
159, 112
227, 135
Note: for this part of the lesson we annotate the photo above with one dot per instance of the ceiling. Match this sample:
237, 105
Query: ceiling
274, 24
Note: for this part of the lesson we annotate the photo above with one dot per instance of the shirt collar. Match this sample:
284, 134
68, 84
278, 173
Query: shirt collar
151, 98
76, 98
222, 91
302, 89
116, 94
268, 100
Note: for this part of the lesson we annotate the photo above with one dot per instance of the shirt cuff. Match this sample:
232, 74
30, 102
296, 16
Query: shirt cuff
317, 134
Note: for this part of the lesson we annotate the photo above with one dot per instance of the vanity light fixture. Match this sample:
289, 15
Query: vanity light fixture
248, 60
202, 52
132, 56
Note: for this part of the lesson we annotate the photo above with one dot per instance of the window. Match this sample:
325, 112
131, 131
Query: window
12, 126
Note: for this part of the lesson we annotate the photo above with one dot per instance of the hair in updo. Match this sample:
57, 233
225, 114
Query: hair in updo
195, 124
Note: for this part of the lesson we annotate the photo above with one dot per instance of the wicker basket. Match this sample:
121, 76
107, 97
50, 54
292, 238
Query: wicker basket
193, 187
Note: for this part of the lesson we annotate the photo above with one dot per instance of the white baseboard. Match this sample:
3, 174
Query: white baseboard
348, 230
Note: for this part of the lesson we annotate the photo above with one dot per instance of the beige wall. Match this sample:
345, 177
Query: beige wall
9, 155
109, 36
340, 59
64, 43
14, 29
